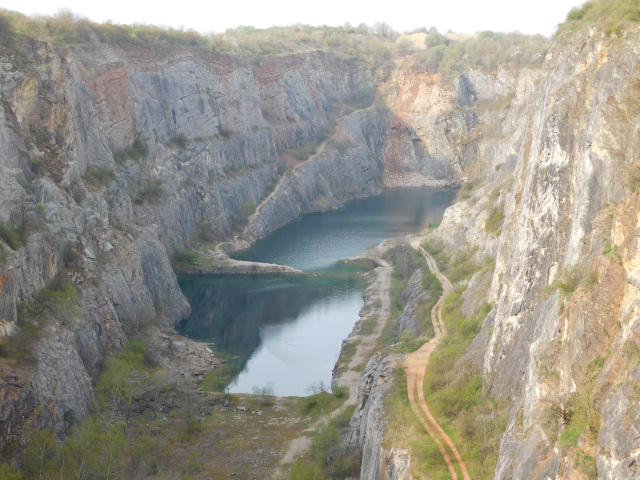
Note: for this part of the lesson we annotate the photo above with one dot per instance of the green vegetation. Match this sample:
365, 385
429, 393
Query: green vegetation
487, 50
304, 152
219, 379
180, 140
247, 207
494, 220
320, 401
137, 150
359, 44
98, 176
466, 190
96, 448
328, 457
152, 191
14, 237
453, 390
405, 430
453, 386
611, 16
59, 299
186, 258
568, 281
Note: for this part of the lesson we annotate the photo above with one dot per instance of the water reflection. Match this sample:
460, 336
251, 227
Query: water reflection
291, 327
319, 240
287, 329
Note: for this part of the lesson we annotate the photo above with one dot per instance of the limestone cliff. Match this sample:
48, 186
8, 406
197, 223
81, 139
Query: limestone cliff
559, 343
111, 157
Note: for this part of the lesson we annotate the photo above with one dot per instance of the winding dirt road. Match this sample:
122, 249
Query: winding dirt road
416, 365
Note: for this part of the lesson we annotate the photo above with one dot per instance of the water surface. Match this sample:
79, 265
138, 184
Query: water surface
287, 329
318, 240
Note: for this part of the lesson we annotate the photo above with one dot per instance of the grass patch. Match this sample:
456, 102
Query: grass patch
219, 379
455, 392
406, 431
304, 152
328, 457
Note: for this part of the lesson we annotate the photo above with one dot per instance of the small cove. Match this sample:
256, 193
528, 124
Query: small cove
286, 330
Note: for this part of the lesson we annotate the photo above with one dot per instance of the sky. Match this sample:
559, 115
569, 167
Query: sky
460, 16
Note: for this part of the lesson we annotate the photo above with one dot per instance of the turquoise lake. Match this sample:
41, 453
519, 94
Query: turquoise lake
286, 330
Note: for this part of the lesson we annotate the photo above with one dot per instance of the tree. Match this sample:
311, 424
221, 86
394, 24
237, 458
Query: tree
37, 456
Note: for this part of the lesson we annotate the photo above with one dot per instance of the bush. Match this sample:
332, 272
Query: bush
8, 471
11, 236
137, 150
264, 394
340, 392
494, 220
180, 140
568, 282
59, 299
99, 176
612, 16
186, 258
151, 191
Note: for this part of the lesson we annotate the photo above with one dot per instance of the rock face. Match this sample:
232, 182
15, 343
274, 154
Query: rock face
368, 424
111, 158
566, 188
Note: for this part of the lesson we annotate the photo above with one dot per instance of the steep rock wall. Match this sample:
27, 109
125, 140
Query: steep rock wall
564, 183
208, 131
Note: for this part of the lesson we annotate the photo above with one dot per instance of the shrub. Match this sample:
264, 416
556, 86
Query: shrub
494, 220
340, 392
58, 299
11, 236
99, 176
264, 394
8, 471
568, 281
138, 149
151, 191
180, 140
186, 258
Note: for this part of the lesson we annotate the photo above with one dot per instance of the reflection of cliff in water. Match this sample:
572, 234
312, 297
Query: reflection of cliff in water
230, 310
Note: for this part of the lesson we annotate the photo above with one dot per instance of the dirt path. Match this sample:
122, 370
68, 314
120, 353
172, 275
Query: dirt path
416, 365
350, 377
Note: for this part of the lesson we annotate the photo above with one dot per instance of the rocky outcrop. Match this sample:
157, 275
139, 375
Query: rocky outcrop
110, 158
368, 424
565, 188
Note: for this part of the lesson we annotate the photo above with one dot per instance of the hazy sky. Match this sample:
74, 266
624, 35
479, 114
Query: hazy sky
462, 16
